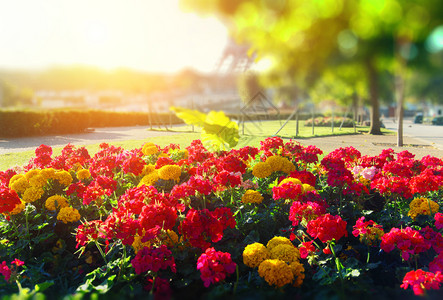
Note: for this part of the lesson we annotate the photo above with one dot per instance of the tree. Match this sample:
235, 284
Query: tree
302, 37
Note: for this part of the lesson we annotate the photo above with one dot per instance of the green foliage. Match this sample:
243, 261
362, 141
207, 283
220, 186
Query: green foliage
326, 121
218, 131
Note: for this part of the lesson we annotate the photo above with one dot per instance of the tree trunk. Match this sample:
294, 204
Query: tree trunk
373, 98
400, 88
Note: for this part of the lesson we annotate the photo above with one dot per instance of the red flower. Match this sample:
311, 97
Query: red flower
407, 240
8, 199
155, 259
327, 227
134, 165
214, 266
420, 281
436, 265
288, 190
306, 248
438, 220
305, 211
5, 271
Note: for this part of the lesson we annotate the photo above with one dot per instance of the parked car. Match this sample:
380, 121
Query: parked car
418, 119
437, 121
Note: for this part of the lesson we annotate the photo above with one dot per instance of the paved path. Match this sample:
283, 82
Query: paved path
366, 144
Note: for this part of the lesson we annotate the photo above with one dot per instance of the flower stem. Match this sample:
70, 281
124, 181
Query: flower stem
236, 282
101, 251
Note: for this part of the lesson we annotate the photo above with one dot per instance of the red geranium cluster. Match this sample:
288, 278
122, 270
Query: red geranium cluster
153, 259
327, 228
214, 266
407, 240
305, 211
6, 271
8, 199
307, 248
201, 227
337, 165
420, 281
288, 190
438, 217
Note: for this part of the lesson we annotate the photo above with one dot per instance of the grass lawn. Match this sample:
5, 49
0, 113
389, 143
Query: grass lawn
250, 135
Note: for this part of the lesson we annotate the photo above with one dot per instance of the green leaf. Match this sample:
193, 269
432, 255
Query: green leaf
189, 116
41, 287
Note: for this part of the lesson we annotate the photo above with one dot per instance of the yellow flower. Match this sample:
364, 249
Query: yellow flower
285, 252
51, 201
37, 181
288, 167
298, 271
262, 170
148, 169
18, 183
307, 187
422, 206
276, 162
254, 254
149, 149
83, 174
68, 214
278, 240
170, 172
32, 173
32, 194
63, 177
48, 173
251, 196
149, 179
276, 272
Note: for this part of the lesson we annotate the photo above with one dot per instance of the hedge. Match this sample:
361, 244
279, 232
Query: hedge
35, 123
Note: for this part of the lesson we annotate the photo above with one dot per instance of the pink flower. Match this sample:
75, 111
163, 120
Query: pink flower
214, 266
5, 270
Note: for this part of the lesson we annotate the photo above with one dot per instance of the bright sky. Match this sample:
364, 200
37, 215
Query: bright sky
148, 35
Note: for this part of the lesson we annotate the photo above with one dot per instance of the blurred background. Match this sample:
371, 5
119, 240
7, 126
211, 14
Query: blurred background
367, 59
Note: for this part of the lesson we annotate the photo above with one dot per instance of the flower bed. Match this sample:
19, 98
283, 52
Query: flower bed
274, 221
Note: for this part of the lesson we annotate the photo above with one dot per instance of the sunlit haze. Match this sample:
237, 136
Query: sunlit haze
147, 35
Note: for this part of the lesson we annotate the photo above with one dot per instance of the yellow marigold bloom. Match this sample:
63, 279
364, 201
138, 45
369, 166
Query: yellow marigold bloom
168, 238
18, 209
251, 196
278, 240
63, 177
254, 254
48, 173
277, 162
148, 169
288, 166
262, 170
285, 252
68, 214
422, 206
170, 172
307, 187
149, 149
37, 180
298, 271
61, 201
276, 272
32, 194
291, 179
83, 174
19, 183
149, 179
32, 173
163, 155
